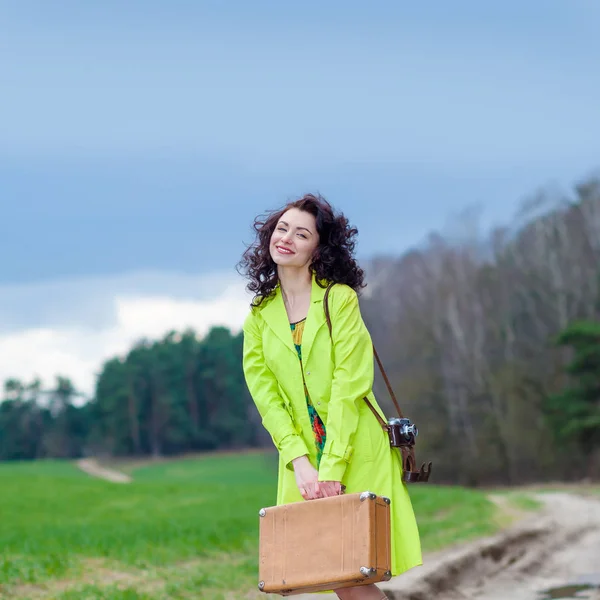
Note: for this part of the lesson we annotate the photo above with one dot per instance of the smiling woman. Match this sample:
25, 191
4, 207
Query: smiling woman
306, 234
308, 384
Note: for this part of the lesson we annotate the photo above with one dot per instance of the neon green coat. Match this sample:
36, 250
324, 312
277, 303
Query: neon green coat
338, 375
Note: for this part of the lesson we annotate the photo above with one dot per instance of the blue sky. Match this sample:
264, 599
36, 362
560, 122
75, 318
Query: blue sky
138, 139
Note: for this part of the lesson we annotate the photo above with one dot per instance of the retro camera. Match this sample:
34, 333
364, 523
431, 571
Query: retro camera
402, 432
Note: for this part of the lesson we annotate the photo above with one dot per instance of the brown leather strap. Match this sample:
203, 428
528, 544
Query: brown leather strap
383, 424
385, 377
409, 474
387, 382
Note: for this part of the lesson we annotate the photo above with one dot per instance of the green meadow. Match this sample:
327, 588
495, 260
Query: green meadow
182, 529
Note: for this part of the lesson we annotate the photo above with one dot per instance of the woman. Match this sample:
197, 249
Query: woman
309, 389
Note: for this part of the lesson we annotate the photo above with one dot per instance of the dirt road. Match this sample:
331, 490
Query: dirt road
91, 467
558, 549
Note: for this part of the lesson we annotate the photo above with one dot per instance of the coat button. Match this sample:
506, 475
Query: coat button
319, 403
308, 372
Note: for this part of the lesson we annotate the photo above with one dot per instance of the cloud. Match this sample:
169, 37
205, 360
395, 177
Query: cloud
130, 307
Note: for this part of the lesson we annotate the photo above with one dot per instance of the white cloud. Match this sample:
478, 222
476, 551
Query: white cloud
77, 349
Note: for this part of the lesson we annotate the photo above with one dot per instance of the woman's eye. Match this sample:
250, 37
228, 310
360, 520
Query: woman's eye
302, 236
280, 229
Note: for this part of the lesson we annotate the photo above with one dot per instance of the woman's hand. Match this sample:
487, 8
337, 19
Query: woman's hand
330, 488
307, 478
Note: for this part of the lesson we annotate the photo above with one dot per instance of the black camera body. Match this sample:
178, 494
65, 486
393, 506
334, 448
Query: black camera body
402, 432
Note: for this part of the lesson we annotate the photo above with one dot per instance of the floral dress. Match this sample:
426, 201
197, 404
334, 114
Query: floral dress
317, 425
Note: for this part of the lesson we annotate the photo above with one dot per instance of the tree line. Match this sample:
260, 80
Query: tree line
178, 394
491, 341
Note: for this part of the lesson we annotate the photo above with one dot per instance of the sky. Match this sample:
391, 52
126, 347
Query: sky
139, 139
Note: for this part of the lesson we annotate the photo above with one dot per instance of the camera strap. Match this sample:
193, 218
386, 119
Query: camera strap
385, 377
410, 473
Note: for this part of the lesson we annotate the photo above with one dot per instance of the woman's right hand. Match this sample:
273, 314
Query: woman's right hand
306, 478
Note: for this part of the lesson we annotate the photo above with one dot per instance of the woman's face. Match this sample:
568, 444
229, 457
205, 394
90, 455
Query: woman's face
294, 239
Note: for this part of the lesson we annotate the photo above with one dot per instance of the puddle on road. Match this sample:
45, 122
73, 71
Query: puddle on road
567, 591
582, 589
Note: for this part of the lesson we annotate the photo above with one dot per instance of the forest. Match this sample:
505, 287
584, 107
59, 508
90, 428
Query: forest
491, 340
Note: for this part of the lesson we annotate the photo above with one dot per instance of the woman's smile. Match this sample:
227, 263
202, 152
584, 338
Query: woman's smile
283, 250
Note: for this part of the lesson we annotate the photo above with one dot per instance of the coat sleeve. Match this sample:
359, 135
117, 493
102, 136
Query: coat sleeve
352, 380
263, 388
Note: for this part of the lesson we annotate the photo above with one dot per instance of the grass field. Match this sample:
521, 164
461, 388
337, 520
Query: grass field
182, 529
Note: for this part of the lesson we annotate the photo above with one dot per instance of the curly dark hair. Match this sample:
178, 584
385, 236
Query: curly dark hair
333, 260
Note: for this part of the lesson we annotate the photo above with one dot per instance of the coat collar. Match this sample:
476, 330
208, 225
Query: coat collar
276, 318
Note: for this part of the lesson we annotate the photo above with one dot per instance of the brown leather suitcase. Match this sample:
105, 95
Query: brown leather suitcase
324, 544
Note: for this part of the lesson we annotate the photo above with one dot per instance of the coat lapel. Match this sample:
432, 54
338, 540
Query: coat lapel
276, 318
315, 319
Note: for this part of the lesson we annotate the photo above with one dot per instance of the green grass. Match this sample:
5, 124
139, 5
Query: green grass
447, 515
182, 529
